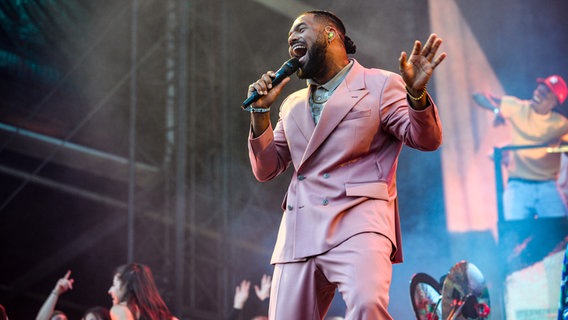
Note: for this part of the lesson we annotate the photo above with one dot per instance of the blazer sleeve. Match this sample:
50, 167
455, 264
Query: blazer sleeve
268, 153
419, 129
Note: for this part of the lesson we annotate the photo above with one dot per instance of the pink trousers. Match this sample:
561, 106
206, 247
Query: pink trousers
360, 268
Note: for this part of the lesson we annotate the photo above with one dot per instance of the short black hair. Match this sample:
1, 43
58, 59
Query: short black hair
330, 17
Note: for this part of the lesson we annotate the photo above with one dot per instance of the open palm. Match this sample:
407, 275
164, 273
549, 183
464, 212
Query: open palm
417, 69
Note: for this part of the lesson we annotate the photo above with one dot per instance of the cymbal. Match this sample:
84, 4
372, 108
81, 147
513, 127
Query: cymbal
464, 293
425, 296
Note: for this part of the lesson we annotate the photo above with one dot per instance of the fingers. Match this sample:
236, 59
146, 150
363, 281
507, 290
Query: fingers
71, 281
402, 60
277, 89
266, 90
427, 50
417, 47
431, 48
438, 60
241, 294
245, 284
262, 85
66, 283
266, 279
263, 291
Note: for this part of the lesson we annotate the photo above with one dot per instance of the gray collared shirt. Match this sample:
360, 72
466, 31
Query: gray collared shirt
319, 94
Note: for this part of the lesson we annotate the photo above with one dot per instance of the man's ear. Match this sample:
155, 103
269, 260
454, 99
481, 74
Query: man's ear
330, 33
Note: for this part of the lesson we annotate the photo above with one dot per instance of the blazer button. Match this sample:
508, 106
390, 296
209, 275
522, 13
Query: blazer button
326, 175
301, 177
290, 207
325, 202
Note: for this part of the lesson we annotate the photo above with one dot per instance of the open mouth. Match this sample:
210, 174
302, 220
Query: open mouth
299, 51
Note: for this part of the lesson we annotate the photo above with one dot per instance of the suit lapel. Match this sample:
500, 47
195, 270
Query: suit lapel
303, 117
345, 96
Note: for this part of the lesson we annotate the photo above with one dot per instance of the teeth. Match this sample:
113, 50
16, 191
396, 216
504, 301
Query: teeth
299, 49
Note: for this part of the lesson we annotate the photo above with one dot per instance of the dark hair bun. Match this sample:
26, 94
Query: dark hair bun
350, 47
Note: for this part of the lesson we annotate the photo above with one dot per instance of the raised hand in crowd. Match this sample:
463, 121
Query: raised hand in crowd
47, 310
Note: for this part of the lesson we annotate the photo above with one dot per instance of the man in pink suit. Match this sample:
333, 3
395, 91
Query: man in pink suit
342, 135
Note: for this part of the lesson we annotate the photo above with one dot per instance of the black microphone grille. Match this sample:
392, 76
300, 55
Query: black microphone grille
290, 66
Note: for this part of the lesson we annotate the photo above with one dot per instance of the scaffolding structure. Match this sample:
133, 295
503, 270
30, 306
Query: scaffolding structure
174, 215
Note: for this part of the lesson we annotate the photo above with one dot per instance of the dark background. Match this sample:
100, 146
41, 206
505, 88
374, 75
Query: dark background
72, 89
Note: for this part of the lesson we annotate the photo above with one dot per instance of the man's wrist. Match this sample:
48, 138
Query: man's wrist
415, 95
252, 109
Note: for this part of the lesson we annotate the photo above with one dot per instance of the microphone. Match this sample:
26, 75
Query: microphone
285, 70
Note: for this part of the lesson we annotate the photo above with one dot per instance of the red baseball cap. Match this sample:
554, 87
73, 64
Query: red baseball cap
557, 85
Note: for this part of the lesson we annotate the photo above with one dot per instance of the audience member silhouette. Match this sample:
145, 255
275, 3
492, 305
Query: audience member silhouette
48, 312
135, 295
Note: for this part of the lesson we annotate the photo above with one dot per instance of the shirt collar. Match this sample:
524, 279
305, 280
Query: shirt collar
336, 80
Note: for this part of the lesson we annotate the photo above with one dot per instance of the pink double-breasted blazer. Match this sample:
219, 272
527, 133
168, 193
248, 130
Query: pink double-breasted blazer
344, 180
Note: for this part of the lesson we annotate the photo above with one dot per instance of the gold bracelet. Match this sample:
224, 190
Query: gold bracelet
416, 98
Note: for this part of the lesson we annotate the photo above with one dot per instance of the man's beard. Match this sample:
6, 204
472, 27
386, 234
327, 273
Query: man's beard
314, 68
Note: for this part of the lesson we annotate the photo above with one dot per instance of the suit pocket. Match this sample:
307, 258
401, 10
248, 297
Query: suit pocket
375, 190
356, 114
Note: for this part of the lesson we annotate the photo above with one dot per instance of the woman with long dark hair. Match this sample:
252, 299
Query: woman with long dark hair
135, 295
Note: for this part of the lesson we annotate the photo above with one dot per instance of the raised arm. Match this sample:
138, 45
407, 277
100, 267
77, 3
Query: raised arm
260, 112
63, 285
486, 100
489, 102
417, 69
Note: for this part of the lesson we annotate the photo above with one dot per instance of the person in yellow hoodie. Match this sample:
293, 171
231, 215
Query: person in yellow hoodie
531, 190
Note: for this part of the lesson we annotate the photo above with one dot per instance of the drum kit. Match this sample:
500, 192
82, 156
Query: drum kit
460, 295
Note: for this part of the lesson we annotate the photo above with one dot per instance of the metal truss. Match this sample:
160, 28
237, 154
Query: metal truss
193, 210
